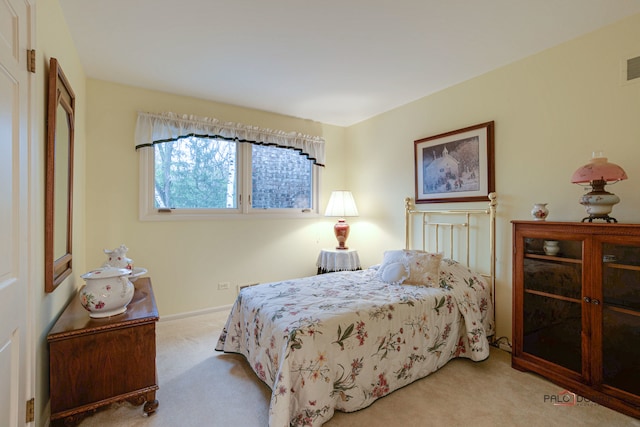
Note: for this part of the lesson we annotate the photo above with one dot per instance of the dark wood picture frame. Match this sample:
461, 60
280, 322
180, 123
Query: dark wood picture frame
58, 178
456, 166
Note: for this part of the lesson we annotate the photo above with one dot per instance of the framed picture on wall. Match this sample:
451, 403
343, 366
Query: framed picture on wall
456, 166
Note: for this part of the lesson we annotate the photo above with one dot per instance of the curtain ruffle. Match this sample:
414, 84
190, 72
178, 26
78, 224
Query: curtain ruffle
157, 128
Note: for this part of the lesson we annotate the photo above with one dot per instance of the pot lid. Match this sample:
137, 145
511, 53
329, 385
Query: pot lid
103, 273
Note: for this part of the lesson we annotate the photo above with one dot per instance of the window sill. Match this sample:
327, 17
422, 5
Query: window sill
176, 215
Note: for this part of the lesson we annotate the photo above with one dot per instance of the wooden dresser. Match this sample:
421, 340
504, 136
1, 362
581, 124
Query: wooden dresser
576, 310
96, 362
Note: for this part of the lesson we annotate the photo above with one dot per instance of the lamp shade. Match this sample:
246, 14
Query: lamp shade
598, 169
341, 204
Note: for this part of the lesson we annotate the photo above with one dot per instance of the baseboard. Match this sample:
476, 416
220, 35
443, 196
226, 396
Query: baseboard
47, 411
241, 287
502, 343
196, 313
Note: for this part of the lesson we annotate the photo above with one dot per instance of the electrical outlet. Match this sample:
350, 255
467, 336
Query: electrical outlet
223, 286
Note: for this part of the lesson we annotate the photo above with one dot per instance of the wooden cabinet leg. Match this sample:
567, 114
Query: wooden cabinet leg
150, 407
149, 400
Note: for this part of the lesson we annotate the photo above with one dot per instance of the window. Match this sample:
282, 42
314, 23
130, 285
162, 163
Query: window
196, 177
280, 179
201, 167
195, 173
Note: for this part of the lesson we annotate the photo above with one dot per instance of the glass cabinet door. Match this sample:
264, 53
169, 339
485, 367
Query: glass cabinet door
621, 316
552, 318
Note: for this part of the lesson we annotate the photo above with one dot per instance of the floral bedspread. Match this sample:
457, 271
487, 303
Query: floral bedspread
342, 340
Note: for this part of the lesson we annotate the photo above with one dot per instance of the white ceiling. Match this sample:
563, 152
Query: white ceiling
332, 61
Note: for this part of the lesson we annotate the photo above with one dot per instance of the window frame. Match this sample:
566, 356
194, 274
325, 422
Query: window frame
148, 212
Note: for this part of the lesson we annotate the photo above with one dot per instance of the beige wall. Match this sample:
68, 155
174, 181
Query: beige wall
550, 110
187, 259
53, 40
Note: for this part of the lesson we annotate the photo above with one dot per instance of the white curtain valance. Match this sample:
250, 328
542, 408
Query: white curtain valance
157, 128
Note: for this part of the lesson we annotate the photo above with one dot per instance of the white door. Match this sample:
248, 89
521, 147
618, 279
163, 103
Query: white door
15, 360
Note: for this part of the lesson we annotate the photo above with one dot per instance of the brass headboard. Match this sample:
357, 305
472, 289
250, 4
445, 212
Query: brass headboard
450, 232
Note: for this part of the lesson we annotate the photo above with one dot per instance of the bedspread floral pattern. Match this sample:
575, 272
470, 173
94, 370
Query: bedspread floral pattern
343, 340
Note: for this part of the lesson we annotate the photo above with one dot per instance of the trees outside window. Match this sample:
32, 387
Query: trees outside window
213, 176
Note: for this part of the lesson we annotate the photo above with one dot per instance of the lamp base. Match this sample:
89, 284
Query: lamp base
599, 203
341, 230
604, 217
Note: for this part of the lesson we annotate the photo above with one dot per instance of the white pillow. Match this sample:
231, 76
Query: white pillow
410, 267
394, 268
424, 268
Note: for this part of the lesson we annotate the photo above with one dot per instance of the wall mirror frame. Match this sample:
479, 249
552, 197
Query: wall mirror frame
58, 178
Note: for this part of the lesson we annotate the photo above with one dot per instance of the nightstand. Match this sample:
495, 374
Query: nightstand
95, 362
331, 260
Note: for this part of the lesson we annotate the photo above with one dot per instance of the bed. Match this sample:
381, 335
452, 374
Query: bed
339, 341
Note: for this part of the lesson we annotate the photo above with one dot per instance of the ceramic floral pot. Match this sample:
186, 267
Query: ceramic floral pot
118, 258
551, 247
539, 212
107, 291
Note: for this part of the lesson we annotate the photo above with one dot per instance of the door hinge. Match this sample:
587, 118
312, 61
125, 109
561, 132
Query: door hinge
30, 414
31, 60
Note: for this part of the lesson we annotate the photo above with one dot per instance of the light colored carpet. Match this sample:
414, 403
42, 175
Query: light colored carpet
202, 387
